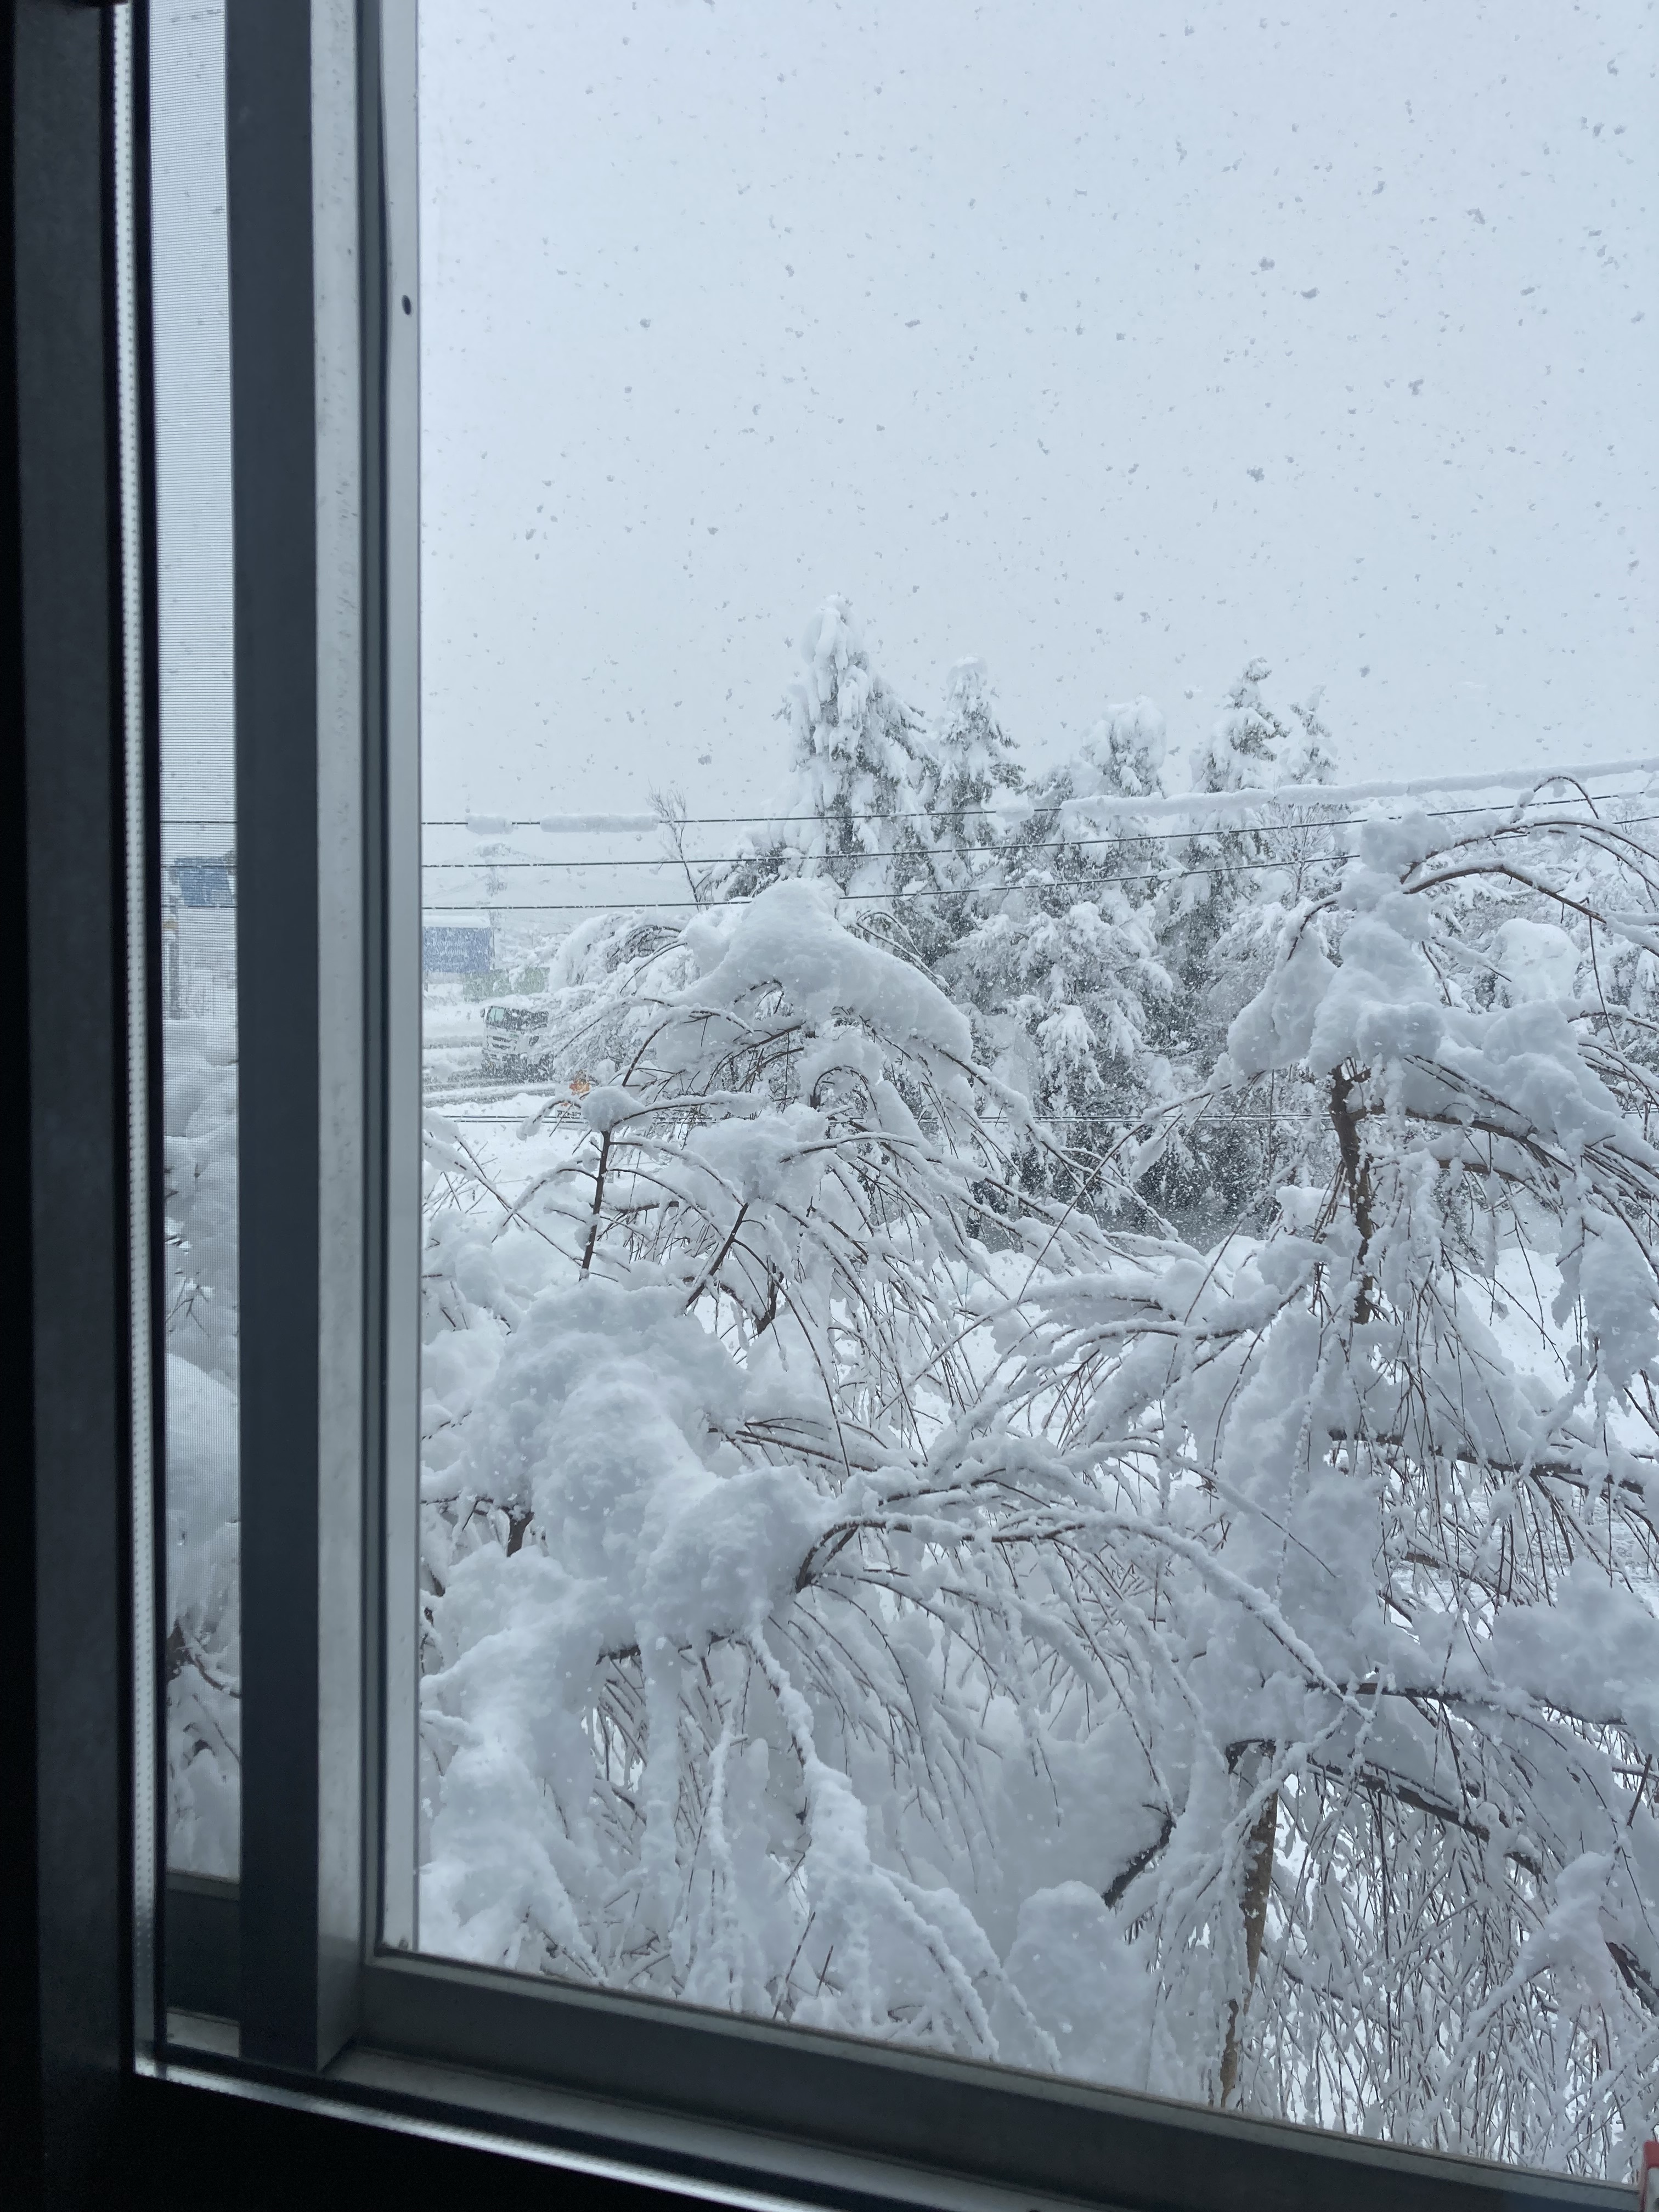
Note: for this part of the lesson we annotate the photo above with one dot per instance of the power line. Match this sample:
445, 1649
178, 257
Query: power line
1217, 804
1132, 809
1041, 845
898, 898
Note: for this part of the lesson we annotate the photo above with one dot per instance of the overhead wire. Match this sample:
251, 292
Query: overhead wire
1216, 803
1275, 865
1248, 801
1136, 834
1274, 862
485, 863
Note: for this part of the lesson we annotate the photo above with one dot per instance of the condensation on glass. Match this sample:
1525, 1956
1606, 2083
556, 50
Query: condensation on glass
197, 979
1037, 1414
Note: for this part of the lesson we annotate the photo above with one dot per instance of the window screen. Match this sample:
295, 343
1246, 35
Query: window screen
197, 979
1039, 909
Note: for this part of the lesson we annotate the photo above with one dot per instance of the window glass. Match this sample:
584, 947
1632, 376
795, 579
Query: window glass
1039, 1317
197, 982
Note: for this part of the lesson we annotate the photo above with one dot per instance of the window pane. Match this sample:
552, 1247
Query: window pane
1037, 1419
198, 929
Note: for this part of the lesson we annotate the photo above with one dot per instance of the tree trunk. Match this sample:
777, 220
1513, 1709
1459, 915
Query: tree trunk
1356, 1172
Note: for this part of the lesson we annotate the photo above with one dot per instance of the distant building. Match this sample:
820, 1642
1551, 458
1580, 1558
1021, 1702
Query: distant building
462, 947
198, 935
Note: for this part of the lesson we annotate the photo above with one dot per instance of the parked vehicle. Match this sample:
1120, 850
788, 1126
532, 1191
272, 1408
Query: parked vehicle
515, 1037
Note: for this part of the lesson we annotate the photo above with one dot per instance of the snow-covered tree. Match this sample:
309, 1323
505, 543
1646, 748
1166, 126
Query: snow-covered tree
852, 809
725, 1652
969, 790
1225, 886
1123, 755
1061, 967
1178, 1607
971, 768
1378, 1489
202, 1656
1242, 752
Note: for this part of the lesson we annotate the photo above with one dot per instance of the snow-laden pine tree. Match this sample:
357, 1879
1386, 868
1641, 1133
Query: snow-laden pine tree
1243, 751
1062, 968
852, 808
971, 773
1224, 886
1123, 755
968, 788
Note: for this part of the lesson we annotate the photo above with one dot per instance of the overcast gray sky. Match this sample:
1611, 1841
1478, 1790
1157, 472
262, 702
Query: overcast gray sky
722, 310
1116, 344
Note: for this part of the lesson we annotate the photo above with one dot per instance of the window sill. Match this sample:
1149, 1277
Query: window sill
466, 2055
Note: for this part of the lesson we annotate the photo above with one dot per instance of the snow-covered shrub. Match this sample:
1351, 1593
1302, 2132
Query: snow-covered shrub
735, 1694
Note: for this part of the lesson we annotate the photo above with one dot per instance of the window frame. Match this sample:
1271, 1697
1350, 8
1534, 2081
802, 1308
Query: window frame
342, 2020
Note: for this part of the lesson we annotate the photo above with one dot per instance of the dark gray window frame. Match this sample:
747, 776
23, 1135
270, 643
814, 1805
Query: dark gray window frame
298, 2012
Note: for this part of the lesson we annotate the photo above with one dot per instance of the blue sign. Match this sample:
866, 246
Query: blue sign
205, 880
457, 949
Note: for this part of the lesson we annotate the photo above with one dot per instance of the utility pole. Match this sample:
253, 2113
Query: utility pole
170, 943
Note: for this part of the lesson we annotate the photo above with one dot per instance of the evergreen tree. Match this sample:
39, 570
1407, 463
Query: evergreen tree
1063, 970
1227, 888
970, 790
972, 765
852, 810
1123, 755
